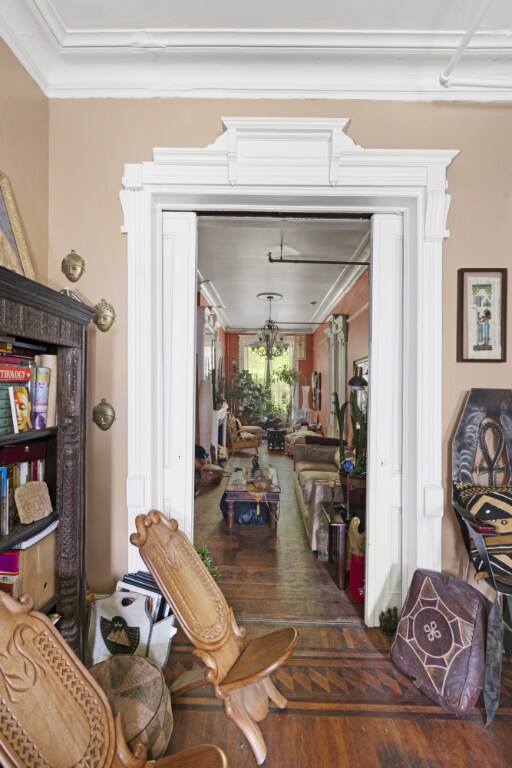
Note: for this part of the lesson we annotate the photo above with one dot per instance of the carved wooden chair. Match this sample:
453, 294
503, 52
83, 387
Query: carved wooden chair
239, 439
482, 500
53, 713
238, 668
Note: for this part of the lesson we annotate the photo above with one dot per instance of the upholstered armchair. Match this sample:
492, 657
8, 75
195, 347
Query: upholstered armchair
238, 436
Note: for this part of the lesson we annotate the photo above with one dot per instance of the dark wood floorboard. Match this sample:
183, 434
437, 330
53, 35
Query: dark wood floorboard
347, 703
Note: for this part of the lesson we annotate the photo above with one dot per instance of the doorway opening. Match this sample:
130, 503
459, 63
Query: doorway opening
321, 319
307, 166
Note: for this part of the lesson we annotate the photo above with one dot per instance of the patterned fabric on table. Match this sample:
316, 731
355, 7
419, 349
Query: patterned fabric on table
489, 508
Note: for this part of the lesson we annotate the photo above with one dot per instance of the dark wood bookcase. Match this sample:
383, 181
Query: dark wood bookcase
32, 312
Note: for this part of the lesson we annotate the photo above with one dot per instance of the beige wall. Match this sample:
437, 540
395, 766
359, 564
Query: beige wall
24, 153
89, 142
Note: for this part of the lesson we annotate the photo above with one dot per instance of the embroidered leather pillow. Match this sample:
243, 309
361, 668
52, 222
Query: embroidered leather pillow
440, 639
491, 506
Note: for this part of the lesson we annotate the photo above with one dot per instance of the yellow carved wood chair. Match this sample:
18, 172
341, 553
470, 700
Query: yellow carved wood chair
53, 713
238, 668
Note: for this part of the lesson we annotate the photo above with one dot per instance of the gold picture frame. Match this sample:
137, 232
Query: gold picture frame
13, 247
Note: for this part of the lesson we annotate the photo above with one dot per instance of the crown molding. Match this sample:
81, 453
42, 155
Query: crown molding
254, 63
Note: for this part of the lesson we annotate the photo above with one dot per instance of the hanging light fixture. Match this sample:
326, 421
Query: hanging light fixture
271, 341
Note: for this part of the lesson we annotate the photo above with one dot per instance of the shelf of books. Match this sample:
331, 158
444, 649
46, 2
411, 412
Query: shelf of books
43, 351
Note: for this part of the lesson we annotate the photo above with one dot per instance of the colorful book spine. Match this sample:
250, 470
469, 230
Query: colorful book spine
41, 386
50, 361
20, 408
15, 374
4, 502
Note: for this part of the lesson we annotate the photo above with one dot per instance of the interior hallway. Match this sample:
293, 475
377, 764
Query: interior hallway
347, 704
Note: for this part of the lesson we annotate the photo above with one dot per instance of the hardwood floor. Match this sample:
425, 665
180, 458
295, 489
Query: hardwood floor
347, 703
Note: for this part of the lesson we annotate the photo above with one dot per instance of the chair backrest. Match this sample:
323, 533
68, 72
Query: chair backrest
52, 712
482, 445
192, 593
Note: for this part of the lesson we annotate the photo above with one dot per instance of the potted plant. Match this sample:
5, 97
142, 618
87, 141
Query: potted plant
290, 376
352, 471
247, 398
359, 434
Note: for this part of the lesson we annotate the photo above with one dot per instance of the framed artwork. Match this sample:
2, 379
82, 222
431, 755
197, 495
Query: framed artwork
481, 315
13, 248
300, 347
361, 368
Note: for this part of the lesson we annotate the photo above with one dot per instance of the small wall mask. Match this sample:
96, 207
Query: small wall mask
103, 415
73, 266
105, 316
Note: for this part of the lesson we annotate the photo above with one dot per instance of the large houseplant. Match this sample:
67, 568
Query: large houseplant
290, 376
248, 399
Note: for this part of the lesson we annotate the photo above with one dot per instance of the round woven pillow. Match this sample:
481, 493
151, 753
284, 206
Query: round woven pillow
136, 688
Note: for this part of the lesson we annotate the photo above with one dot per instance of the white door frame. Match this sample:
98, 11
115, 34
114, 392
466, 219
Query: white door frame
305, 166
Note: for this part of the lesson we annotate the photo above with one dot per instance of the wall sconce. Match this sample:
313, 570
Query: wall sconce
105, 316
103, 415
73, 266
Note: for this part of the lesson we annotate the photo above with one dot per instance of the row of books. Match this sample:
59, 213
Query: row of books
143, 583
19, 464
28, 387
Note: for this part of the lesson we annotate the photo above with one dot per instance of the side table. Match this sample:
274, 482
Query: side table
338, 529
275, 439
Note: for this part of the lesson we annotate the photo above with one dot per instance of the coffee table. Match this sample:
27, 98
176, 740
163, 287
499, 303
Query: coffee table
239, 488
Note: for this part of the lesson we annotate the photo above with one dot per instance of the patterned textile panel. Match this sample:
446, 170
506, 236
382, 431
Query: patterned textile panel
499, 551
490, 505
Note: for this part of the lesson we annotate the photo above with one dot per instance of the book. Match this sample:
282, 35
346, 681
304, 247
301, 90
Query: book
26, 543
20, 408
50, 361
41, 385
155, 598
15, 374
4, 503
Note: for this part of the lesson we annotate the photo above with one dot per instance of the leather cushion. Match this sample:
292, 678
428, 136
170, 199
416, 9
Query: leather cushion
136, 688
440, 639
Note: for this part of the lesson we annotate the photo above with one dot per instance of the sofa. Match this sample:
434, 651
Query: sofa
315, 466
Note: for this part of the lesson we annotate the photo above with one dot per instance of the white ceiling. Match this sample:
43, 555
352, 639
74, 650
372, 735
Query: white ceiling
234, 267
372, 49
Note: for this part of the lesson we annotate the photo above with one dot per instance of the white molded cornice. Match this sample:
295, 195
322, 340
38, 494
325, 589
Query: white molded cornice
253, 63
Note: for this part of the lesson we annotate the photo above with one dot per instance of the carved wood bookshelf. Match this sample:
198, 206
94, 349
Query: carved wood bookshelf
32, 312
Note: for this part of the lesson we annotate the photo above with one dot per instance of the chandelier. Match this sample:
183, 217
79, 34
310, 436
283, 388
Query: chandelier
270, 342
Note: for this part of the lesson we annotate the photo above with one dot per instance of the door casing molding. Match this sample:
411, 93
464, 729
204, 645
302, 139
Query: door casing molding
307, 166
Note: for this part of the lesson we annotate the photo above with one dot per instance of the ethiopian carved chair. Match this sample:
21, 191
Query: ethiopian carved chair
482, 500
238, 668
53, 713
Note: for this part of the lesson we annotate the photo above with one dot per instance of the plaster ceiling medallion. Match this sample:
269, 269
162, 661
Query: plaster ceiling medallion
295, 49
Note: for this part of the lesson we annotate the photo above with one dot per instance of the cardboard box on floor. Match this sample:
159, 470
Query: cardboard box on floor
30, 570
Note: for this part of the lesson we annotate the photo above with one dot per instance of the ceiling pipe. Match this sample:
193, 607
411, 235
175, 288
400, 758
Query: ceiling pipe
445, 77
280, 260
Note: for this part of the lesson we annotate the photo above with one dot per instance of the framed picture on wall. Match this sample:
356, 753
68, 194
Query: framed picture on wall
481, 315
300, 347
13, 248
